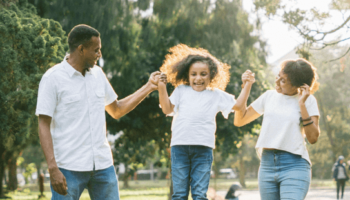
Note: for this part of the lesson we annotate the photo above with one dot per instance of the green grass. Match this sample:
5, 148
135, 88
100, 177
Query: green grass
155, 190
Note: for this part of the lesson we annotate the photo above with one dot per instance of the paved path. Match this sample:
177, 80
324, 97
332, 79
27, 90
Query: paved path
314, 194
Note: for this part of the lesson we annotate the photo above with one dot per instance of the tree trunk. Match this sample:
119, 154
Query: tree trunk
241, 170
328, 130
2, 173
171, 186
126, 176
38, 171
12, 182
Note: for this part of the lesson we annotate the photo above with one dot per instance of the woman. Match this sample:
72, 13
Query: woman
340, 175
290, 115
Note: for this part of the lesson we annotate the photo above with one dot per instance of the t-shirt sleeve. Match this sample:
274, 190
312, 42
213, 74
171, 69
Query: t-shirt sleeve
226, 102
259, 104
110, 94
311, 106
175, 98
47, 97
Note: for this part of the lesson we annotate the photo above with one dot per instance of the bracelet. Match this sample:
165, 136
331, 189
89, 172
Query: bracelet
308, 123
307, 119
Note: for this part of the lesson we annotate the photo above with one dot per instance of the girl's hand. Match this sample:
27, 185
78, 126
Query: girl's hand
163, 78
248, 76
304, 93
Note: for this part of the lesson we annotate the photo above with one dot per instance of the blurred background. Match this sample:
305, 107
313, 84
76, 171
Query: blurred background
136, 36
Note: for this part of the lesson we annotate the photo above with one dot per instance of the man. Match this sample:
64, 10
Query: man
72, 99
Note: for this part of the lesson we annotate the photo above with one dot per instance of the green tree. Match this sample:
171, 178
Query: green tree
333, 101
29, 45
134, 46
310, 24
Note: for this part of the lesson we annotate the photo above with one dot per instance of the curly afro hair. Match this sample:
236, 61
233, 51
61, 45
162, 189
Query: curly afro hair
300, 72
181, 57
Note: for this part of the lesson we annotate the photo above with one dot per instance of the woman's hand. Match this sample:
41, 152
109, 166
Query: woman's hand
248, 76
304, 93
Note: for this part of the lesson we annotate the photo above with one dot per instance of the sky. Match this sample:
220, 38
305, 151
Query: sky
280, 38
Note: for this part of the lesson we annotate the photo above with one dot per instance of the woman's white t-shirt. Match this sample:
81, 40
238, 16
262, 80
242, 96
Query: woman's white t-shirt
194, 115
281, 128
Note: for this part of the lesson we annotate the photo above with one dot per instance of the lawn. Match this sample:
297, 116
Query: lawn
155, 190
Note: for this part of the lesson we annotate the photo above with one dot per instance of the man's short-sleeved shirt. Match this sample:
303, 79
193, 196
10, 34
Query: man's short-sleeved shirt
77, 107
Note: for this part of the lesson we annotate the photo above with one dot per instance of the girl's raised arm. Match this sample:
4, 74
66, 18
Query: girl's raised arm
244, 115
164, 100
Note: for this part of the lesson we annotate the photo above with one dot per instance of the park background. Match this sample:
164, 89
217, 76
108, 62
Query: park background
136, 36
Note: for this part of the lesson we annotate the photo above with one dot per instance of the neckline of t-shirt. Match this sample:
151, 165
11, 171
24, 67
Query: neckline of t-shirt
288, 96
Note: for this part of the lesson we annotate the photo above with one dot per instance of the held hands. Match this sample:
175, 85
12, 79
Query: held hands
304, 93
154, 79
248, 77
162, 79
58, 181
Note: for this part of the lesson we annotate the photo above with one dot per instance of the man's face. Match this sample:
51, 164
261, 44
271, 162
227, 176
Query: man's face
92, 52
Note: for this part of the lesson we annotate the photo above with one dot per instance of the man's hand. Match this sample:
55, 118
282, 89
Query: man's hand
58, 181
153, 80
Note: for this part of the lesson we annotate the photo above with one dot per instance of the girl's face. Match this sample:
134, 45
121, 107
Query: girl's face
284, 86
199, 76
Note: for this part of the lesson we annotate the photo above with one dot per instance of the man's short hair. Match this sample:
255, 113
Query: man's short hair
81, 34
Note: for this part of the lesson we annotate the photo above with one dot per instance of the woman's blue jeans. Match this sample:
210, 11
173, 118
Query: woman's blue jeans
283, 175
190, 166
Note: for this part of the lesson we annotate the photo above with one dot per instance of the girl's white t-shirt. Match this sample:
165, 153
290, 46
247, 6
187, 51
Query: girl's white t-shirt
194, 115
281, 128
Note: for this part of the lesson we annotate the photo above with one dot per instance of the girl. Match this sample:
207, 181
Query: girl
291, 113
199, 79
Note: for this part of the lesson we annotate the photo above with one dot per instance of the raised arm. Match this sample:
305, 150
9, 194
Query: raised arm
117, 109
164, 100
310, 124
244, 115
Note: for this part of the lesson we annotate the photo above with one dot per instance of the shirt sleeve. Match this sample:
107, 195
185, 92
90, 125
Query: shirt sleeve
110, 94
175, 98
226, 102
259, 104
311, 106
47, 97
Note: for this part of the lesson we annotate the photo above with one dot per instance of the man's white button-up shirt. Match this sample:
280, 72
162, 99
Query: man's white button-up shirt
77, 107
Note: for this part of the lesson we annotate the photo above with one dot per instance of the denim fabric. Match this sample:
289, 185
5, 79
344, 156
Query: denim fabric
101, 184
191, 166
283, 175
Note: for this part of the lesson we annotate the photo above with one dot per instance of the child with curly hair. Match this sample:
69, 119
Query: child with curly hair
199, 79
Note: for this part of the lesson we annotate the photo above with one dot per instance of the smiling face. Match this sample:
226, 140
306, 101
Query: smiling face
92, 52
284, 86
199, 76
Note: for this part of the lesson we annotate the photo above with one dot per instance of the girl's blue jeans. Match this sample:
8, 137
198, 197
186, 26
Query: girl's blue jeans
101, 184
283, 175
191, 166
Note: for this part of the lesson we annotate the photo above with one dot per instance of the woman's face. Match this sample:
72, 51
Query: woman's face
199, 76
284, 86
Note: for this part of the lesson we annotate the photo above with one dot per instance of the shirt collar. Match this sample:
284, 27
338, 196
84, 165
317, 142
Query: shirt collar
70, 69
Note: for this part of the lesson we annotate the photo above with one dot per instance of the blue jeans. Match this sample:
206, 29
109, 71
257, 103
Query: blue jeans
190, 166
283, 175
101, 184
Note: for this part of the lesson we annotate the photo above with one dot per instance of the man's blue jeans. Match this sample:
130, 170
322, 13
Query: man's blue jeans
283, 175
101, 184
190, 166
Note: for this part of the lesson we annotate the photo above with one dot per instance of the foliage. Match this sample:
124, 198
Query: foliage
312, 25
333, 101
29, 45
